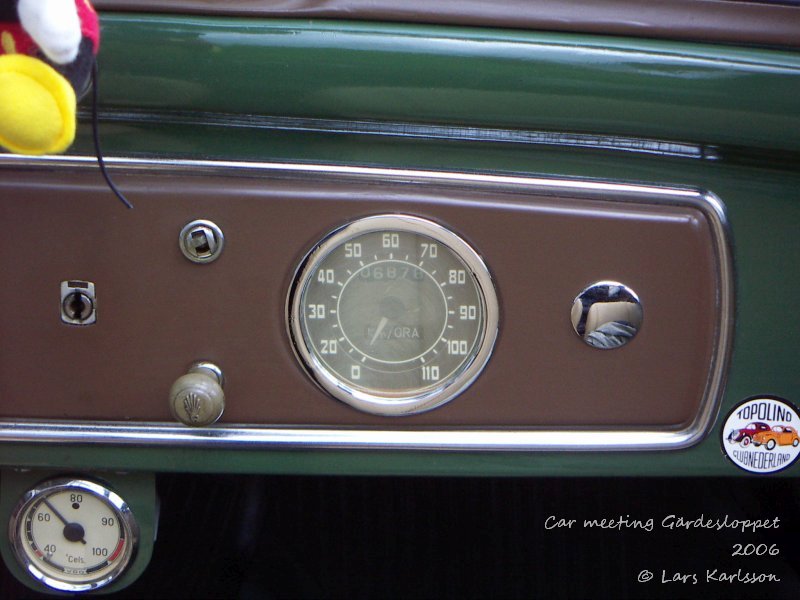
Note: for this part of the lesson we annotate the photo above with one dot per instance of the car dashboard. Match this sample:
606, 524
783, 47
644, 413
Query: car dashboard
445, 254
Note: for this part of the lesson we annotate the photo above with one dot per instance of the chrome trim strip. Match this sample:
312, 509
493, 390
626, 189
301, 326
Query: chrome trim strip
165, 434
576, 187
585, 141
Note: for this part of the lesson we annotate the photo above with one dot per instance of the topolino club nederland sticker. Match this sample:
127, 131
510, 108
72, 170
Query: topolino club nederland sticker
761, 435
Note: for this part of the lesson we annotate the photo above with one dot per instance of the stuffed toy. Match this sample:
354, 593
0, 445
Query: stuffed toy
47, 52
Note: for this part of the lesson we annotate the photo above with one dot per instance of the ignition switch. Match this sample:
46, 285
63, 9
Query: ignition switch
78, 302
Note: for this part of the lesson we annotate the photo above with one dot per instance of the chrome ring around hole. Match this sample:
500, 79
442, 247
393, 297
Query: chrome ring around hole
607, 315
201, 241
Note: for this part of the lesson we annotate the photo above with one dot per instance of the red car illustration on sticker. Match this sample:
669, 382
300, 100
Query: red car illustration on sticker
744, 436
760, 434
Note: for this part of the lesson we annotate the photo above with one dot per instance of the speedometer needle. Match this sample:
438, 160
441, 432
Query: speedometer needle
381, 325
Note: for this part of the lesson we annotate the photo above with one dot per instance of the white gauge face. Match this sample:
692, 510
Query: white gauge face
73, 535
393, 314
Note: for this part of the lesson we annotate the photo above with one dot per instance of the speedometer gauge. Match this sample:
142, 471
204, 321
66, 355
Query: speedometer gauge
393, 314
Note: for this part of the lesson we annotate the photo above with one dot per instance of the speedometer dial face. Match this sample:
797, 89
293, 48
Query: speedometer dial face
393, 314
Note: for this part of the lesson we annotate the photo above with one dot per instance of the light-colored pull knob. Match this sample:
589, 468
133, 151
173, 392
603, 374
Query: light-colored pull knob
196, 399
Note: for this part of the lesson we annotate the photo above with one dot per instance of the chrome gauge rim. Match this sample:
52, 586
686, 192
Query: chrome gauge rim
21, 541
388, 402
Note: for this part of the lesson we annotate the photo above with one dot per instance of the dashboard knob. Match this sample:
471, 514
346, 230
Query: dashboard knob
196, 399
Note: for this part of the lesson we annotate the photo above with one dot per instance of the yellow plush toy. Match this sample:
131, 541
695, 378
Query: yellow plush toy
48, 50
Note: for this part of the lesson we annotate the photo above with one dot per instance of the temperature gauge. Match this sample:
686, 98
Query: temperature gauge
73, 535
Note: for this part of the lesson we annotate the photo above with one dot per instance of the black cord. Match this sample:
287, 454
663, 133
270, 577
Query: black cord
96, 136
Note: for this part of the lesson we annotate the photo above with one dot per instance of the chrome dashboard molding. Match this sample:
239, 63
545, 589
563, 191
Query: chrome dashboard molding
441, 439
426, 131
168, 435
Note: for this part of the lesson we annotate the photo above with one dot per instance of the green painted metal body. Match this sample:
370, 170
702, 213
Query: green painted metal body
169, 85
475, 77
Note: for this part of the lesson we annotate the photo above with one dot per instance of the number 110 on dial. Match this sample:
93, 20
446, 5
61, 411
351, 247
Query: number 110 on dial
393, 314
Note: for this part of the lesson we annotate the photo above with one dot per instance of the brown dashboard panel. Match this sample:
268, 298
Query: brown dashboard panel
157, 312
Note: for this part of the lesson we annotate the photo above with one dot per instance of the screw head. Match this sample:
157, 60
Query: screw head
201, 241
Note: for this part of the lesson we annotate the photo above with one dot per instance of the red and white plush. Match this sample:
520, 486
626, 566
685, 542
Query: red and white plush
47, 51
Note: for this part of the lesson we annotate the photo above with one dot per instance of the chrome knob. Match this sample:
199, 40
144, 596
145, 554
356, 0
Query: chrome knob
607, 315
196, 399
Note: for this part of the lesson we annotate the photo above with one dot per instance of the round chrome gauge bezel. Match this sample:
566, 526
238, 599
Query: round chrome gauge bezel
48, 488
395, 404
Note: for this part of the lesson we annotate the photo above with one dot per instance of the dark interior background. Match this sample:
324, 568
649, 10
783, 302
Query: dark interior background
224, 536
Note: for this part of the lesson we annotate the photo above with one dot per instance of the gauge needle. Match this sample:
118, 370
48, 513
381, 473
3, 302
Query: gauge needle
381, 325
71, 530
